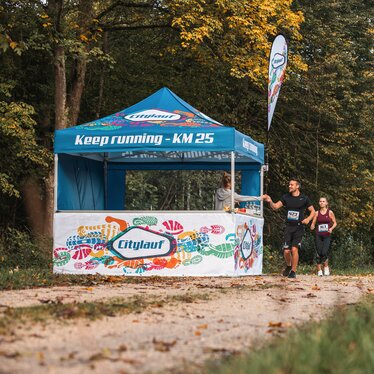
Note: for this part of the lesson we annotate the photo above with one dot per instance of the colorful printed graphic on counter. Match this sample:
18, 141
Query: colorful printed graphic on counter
249, 247
157, 244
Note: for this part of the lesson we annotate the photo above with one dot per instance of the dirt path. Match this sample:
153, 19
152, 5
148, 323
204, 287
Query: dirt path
200, 319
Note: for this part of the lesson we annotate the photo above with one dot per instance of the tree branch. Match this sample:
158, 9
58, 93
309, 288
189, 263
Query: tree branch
127, 4
133, 27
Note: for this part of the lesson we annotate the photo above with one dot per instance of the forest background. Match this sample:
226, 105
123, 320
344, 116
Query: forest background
66, 62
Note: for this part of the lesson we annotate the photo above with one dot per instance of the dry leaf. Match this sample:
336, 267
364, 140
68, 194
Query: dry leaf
215, 350
40, 357
129, 361
9, 354
47, 301
275, 324
89, 288
163, 346
203, 326
113, 279
316, 288
309, 295
122, 348
197, 333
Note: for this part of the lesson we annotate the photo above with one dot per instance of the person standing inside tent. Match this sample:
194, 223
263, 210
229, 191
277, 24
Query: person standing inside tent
296, 203
223, 195
324, 221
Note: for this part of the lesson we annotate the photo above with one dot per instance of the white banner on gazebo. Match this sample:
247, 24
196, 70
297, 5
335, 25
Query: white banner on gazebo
160, 243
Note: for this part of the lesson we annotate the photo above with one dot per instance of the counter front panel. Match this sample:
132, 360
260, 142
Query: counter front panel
167, 243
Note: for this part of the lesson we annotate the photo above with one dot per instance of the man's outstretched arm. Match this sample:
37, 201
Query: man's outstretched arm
273, 205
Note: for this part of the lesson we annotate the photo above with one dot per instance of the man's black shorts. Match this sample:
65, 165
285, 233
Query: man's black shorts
293, 236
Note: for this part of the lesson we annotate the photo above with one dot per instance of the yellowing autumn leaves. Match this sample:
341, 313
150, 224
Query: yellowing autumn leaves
237, 32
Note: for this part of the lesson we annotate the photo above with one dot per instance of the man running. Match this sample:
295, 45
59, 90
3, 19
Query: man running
295, 202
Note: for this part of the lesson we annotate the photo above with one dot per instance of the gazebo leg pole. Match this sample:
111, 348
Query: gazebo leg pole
55, 181
232, 180
262, 189
105, 180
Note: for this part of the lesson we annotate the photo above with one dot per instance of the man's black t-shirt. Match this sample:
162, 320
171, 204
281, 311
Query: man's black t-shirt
295, 206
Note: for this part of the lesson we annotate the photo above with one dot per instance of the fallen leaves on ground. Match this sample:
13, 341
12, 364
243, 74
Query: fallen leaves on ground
316, 288
310, 295
163, 346
203, 326
278, 327
58, 300
9, 354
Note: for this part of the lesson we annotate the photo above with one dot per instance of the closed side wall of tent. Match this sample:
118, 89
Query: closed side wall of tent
80, 184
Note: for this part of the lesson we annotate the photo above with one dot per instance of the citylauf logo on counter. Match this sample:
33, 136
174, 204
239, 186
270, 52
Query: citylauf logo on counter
138, 242
246, 246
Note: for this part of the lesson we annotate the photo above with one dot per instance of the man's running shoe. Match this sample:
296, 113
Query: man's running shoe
326, 270
286, 271
292, 274
320, 273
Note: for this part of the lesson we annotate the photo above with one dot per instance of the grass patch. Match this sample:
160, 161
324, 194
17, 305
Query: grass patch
16, 279
342, 344
364, 270
90, 310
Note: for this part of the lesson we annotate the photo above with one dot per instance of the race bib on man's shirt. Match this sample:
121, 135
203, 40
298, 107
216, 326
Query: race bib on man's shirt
293, 215
323, 227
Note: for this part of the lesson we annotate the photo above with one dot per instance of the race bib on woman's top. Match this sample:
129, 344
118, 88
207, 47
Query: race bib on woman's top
323, 227
293, 215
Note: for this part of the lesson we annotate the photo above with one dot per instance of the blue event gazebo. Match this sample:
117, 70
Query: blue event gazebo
161, 132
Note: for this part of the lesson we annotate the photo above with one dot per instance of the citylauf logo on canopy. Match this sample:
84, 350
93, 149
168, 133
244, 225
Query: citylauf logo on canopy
137, 242
152, 115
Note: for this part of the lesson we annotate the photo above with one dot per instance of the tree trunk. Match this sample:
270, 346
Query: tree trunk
49, 204
60, 88
102, 77
38, 196
55, 8
34, 204
77, 89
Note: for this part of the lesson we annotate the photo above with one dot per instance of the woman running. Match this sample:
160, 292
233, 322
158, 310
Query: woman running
326, 223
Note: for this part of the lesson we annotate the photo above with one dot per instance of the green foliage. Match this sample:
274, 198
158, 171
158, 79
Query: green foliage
171, 190
273, 261
342, 344
321, 132
352, 252
20, 155
18, 250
